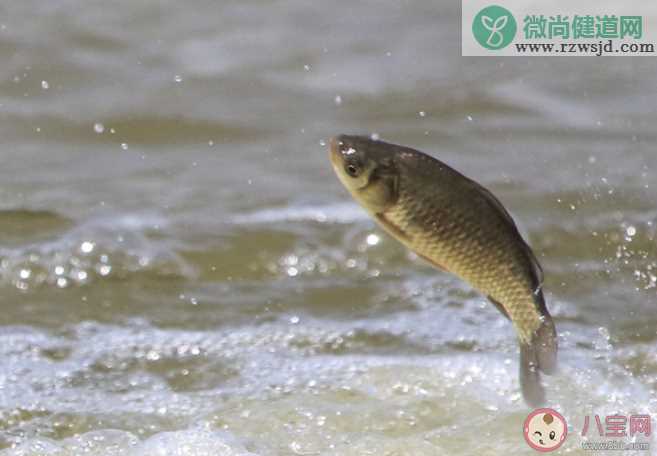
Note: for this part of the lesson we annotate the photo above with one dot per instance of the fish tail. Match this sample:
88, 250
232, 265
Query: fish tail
544, 340
539, 354
530, 378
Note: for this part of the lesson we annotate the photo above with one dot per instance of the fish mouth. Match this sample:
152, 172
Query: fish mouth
335, 153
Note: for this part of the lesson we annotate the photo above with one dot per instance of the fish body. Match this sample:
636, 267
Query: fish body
458, 226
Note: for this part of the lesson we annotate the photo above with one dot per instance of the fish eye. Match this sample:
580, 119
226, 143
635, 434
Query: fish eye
352, 169
552, 435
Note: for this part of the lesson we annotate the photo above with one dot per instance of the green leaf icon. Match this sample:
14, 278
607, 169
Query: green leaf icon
494, 27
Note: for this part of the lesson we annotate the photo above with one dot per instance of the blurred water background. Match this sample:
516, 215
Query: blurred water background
182, 273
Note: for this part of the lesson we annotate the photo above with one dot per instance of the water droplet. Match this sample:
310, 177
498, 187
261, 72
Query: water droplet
25, 274
631, 231
306, 67
291, 260
292, 271
211, 143
422, 113
45, 85
82, 276
177, 78
338, 100
62, 282
86, 246
322, 142
104, 269
375, 136
469, 118
59, 270
124, 146
294, 319
99, 127
373, 239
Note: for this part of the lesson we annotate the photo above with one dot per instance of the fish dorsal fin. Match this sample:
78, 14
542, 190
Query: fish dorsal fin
536, 266
498, 305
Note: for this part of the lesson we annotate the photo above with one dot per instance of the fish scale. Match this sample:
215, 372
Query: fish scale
459, 226
458, 246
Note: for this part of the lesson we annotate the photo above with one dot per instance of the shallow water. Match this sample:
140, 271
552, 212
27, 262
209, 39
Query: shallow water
181, 273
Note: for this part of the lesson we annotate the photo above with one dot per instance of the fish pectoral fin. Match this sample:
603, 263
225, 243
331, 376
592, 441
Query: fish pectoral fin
433, 263
393, 229
401, 234
499, 307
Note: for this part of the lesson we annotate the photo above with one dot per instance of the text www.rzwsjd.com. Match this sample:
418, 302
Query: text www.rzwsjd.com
599, 48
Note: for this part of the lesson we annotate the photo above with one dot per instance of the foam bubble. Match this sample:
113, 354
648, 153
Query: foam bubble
110, 442
335, 213
189, 443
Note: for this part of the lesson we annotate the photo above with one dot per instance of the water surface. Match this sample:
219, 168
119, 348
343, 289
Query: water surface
181, 273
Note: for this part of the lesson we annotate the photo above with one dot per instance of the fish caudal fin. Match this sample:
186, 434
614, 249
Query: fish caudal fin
530, 379
540, 355
545, 345
544, 339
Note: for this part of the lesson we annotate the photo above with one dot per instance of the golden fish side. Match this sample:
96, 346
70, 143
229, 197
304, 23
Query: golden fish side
472, 245
459, 226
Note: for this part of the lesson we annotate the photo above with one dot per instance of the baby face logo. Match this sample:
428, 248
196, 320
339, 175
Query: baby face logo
545, 430
494, 27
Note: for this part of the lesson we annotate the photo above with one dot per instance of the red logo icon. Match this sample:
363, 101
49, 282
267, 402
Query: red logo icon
545, 430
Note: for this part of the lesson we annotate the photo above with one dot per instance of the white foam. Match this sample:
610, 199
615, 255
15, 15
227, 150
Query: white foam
110, 442
189, 443
335, 213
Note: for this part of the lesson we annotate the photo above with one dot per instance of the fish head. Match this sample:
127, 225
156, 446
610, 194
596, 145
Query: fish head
366, 168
